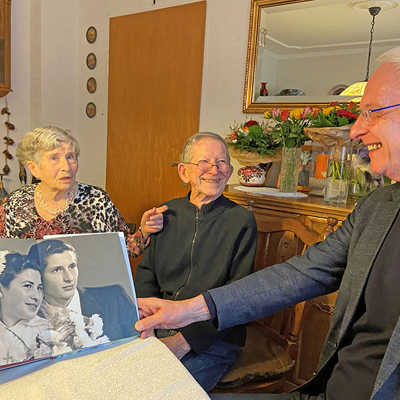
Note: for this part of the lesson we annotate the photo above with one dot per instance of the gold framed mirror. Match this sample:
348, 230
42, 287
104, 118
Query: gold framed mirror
308, 51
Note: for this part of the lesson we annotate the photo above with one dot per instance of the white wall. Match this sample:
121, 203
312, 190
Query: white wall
19, 100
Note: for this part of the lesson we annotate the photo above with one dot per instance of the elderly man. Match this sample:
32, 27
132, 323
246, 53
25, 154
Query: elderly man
207, 241
65, 303
361, 358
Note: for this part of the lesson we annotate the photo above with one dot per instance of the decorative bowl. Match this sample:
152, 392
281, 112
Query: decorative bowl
251, 176
291, 92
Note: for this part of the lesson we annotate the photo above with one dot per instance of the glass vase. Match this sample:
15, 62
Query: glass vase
338, 173
290, 168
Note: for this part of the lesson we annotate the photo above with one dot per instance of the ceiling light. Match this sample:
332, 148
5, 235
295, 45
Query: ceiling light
366, 4
357, 88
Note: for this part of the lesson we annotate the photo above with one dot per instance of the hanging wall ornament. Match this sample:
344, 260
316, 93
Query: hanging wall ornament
8, 141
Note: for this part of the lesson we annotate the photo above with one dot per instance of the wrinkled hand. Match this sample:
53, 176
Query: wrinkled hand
177, 344
168, 314
152, 221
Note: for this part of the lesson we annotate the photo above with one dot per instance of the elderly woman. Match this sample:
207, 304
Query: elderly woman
21, 294
59, 204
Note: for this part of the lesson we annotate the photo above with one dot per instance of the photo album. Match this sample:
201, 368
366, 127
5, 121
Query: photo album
64, 294
67, 315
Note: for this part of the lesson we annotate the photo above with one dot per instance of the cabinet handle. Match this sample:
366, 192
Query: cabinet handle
250, 204
331, 224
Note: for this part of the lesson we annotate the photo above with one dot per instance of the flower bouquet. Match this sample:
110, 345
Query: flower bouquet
331, 125
287, 127
251, 143
288, 133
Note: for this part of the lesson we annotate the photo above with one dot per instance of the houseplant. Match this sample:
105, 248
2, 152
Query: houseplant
288, 133
252, 145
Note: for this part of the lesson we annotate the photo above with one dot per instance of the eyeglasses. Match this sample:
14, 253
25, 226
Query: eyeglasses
367, 114
204, 166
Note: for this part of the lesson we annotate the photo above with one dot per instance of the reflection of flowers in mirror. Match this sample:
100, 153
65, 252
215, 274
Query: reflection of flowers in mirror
336, 114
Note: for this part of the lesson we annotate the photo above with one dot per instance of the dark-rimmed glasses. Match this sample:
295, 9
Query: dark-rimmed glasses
367, 113
204, 166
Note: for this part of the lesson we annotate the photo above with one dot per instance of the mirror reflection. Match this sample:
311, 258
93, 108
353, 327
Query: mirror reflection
307, 52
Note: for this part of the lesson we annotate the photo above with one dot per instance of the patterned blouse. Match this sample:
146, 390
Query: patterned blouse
90, 211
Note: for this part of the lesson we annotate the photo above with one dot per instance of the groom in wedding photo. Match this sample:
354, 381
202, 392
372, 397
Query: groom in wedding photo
97, 314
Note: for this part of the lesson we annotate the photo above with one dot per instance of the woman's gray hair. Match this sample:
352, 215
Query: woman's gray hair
186, 154
36, 142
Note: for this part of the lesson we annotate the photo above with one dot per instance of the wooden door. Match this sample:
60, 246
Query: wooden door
155, 76
5, 47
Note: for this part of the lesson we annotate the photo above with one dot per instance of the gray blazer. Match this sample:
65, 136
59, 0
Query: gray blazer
343, 262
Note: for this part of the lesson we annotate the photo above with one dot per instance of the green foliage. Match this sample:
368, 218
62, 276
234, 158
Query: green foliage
337, 114
252, 138
290, 133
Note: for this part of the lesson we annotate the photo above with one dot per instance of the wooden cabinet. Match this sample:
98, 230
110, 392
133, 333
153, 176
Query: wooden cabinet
5, 47
285, 228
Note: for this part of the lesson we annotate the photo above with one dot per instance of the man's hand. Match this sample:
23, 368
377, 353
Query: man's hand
152, 221
177, 344
168, 314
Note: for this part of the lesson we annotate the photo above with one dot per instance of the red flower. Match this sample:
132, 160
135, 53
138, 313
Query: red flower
334, 103
315, 112
347, 114
284, 115
250, 123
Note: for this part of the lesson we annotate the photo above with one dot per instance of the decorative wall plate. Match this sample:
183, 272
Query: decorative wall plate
91, 34
91, 85
91, 61
90, 110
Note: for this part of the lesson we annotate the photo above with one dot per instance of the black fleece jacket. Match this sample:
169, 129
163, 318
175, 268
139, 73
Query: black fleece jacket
199, 250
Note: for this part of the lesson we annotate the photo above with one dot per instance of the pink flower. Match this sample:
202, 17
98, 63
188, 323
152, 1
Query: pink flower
307, 111
275, 112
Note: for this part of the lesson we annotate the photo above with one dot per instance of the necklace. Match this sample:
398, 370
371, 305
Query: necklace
44, 205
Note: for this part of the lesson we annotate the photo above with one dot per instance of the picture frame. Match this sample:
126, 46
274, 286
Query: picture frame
91, 85
91, 61
91, 34
91, 110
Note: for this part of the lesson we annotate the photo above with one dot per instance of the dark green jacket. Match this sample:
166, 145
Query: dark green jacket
198, 250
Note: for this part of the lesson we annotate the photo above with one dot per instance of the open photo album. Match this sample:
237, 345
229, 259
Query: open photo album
64, 294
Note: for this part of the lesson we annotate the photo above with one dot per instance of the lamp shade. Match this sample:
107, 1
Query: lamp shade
355, 89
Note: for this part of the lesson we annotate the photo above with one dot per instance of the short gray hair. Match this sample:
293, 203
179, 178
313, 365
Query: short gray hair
186, 154
36, 142
391, 56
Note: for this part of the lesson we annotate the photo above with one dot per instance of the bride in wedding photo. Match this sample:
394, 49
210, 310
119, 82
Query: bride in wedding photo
21, 295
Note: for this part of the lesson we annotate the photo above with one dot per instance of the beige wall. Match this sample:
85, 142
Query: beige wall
49, 73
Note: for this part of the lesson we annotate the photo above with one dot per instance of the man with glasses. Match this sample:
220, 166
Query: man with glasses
361, 357
207, 241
